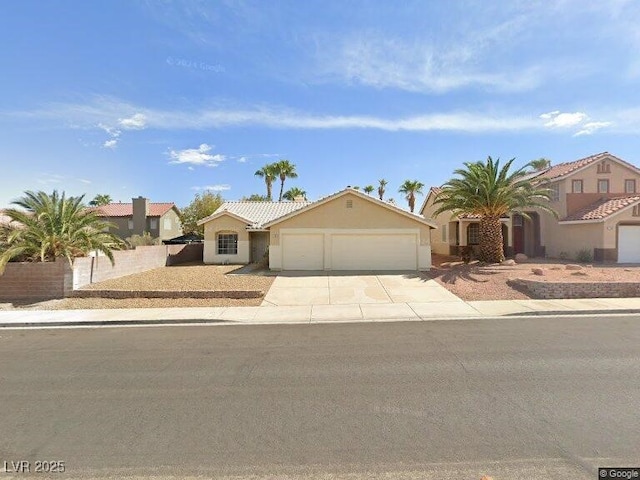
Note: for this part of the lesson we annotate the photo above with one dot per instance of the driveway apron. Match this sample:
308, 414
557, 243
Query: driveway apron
348, 288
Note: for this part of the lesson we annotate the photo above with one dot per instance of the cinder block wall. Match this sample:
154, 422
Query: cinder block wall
26, 281
43, 281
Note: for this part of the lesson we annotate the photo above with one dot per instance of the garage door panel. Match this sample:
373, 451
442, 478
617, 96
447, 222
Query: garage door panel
629, 244
303, 252
374, 252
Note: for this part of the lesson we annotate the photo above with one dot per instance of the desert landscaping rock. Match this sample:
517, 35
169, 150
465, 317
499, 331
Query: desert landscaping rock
521, 257
573, 266
179, 278
580, 273
537, 271
476, 282
509, 262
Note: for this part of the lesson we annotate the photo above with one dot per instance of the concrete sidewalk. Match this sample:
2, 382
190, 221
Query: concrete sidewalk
444, 310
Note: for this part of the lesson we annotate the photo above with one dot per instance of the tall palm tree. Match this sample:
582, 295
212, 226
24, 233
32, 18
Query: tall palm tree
411, 188
284, 169
485, 189
540, 164
383, 183
294, 192
269, 173
54, 226
100, 199
368, 189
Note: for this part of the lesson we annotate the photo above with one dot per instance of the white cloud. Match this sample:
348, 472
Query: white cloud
196, 156
214, 188
110, 143
579, 120
563, 120
135, 122
242, 160
591, 127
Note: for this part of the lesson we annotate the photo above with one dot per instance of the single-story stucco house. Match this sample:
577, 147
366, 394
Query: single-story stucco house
348, 230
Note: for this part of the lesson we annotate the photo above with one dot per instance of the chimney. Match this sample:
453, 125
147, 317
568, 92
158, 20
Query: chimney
140, 213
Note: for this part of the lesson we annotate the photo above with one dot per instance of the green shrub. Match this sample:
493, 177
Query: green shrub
584, 256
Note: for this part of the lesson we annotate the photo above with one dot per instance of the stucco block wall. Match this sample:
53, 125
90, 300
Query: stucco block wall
225, 224
558, 238
47, 280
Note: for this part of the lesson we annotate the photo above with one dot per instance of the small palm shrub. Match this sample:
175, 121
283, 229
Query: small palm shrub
584, 256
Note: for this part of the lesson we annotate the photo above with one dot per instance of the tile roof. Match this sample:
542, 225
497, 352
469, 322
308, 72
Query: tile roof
601, 209
259, 213
436, 190
566, 168
126, 209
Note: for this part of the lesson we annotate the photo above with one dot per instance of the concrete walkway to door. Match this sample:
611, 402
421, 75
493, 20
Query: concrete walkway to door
349, 288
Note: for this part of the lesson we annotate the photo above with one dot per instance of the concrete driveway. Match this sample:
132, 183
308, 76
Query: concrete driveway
346, 288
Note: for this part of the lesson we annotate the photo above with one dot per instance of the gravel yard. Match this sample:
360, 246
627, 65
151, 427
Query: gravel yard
174, 278
489, 282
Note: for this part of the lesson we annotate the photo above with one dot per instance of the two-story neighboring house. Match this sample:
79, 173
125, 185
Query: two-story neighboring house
598, 205
161, 220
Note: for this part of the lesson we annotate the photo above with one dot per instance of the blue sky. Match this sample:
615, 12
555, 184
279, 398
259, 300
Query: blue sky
164, 99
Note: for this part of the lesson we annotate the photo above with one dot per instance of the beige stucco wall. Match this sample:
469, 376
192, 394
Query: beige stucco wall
445, 222
562, 239
175, 229
225, 224
363, 214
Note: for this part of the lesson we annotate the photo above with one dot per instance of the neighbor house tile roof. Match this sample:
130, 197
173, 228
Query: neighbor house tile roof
126, 209
259, 213
601, 209
562, 169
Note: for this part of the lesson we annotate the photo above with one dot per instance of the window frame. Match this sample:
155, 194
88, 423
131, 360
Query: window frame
153, 224
165, 222
475, 235
606, 180
630, 181
444, 237
130, 224
573, 186
227, 243
555, 192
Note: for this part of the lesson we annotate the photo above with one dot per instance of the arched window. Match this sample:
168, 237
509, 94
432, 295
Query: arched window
473, 234
227, 243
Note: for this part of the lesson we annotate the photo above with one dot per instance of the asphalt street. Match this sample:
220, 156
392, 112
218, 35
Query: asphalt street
512, 398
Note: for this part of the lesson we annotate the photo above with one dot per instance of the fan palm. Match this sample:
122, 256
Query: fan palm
54, 226
269, 173
491, 192
284, 169
294, 192
100, 199
383, 183
411, 188
540, 164
368, 189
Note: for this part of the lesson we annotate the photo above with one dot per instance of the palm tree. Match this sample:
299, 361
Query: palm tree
269, 173
485, 189
540, 164
54, 226
284, 169
368, 189
294, 192
381, 190
100, 200
410, 188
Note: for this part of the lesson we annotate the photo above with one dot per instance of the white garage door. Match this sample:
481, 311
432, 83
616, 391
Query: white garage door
302, 252
629, 244
374, 252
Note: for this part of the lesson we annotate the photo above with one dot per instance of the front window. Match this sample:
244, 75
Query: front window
555, 192
629, 186
167, 224
603, 186
576, 186
473, 234
444, 234
227, 244
153, 224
